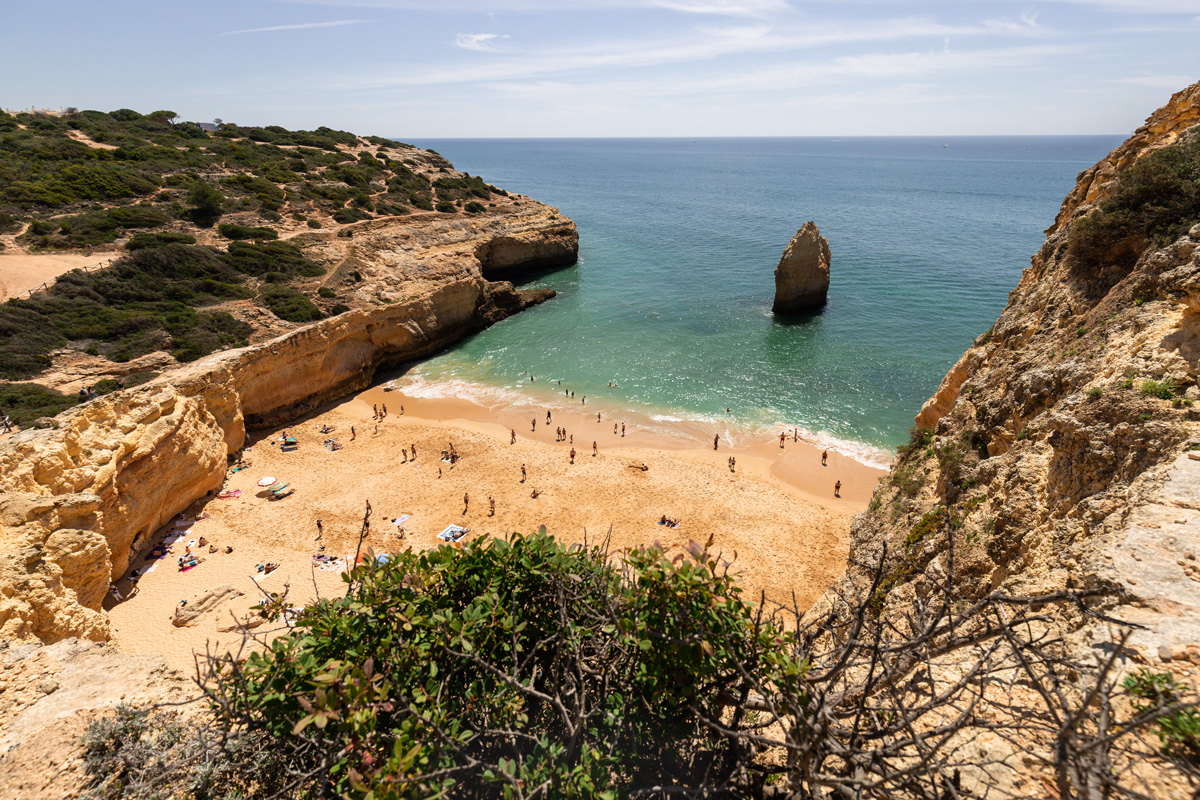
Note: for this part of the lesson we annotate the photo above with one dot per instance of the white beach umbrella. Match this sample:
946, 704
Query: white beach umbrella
268, 481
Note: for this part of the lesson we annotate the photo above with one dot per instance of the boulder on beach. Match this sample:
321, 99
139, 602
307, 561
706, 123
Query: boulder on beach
802, 277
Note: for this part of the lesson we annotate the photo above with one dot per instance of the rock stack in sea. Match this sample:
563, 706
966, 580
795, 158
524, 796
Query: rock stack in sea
802, 277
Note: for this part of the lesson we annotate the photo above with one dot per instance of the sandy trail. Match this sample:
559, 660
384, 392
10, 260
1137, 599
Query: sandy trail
21, 272
776, 511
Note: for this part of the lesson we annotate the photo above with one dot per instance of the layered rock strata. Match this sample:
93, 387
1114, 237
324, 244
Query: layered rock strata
1057, 450
802, 277
78, 502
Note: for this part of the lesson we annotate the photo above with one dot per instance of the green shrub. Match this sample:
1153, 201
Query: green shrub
143, 240
446, 207
25, 402
1178, 731
1095, 393
287, 303
231, 231
1163, 390
312, 223
206, 204
340, 308
1157, 199
474, 207
347, 215
411, 666
325, 291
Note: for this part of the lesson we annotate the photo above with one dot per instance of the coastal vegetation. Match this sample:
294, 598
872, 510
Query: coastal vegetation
522, 668
1157, 199
167, 297
199, 214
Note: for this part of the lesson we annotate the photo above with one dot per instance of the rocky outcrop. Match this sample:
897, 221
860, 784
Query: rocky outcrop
802, 277
79, 501
196, 607
1055, 450
47, 697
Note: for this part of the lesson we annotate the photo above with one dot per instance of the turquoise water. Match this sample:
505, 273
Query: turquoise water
671, 297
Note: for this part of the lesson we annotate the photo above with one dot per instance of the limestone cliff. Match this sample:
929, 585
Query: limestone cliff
802, 277
78, 501
1055, 451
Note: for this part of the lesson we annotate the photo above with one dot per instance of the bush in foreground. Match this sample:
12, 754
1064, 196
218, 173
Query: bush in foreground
526, 669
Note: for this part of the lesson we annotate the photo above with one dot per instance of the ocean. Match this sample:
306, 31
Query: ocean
670, 302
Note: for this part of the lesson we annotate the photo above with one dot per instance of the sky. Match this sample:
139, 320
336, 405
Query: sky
419, 69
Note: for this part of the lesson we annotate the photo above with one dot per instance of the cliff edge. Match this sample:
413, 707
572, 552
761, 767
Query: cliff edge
1057, 453
80, 500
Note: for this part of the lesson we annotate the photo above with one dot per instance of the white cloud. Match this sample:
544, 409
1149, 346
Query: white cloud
302, 26
480, 42
1140, 6
735, 8
1170, 82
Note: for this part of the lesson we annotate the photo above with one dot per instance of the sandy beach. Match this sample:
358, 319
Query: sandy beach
776, 510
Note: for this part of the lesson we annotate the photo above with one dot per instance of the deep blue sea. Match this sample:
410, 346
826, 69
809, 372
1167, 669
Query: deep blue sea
671, 298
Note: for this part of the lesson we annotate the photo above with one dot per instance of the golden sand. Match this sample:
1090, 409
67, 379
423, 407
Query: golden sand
776, 510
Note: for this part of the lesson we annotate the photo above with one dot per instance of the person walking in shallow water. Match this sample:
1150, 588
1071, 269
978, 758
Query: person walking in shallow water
837, 489
782, 438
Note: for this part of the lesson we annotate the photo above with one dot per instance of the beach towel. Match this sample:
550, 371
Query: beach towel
453, 533
150, 569
403, 518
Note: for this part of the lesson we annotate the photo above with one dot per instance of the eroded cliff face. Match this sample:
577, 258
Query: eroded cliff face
1055, 451
79, 501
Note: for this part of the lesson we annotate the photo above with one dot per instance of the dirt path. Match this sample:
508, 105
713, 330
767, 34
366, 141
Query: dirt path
21, 272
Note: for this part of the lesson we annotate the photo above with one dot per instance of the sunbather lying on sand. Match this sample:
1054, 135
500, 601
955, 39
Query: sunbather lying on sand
674, 523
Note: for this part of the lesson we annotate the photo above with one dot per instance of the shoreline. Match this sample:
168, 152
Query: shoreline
776, 511
677, 428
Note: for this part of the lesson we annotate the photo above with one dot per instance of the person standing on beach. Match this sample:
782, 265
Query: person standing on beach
572, 436
782, 437
597, 416
614, 429
522, 473
513, 440
405, 461
414, 452
595, 450
320, 530
383, 412
374, 412
837, 489
466, 502
402, 409
572, 455
584, 400
491, 506
533, 428
622, 430
716, 441
547, 417
795, 434
352, 434
732, 463
824, 458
